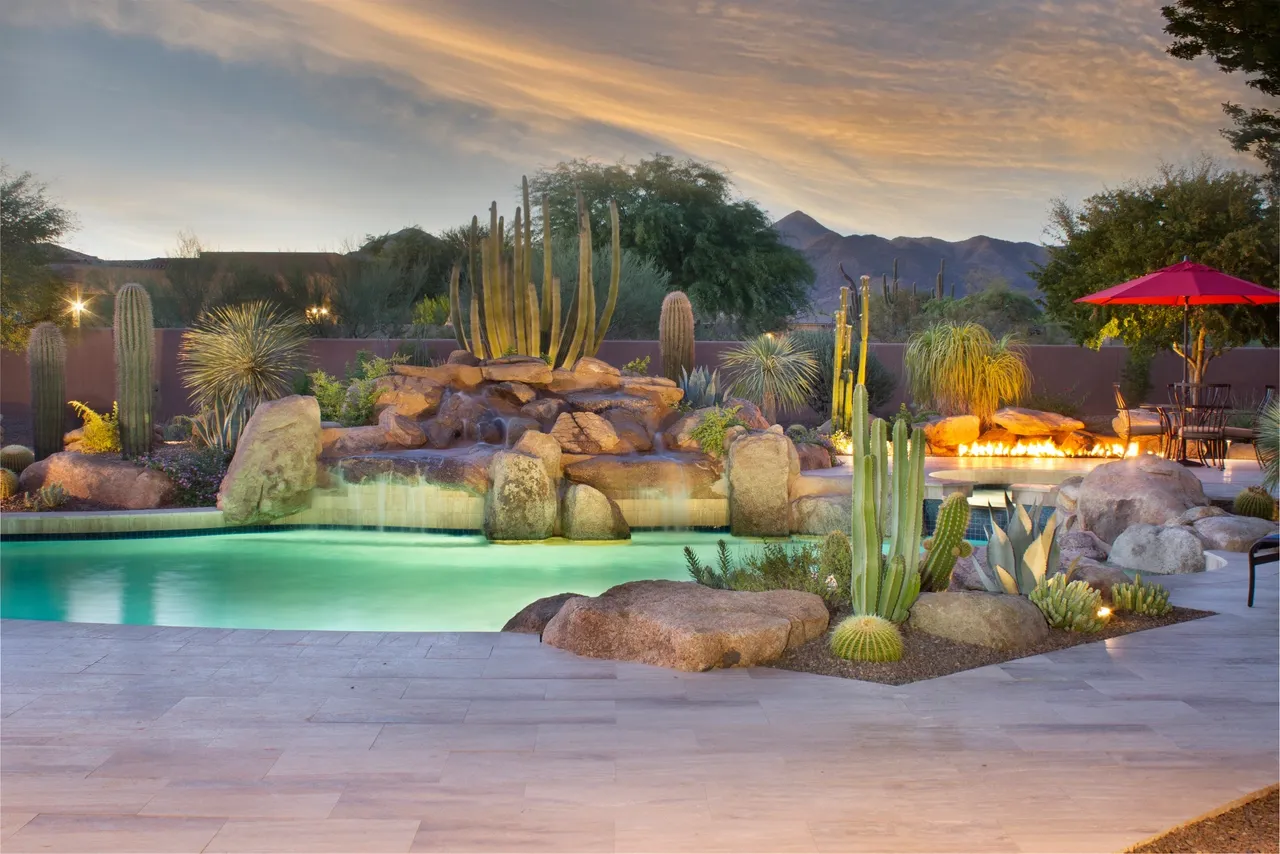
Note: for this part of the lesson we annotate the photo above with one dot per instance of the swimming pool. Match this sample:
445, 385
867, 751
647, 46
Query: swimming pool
321, 579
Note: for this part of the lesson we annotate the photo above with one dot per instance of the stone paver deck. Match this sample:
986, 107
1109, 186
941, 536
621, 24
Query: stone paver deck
127, 738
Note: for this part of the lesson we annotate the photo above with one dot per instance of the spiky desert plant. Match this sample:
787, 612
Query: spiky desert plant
701, 388
1140, 597
239, 356
134, 333
1268, 444
1022, 553
8, 483
772, 372
946, 544
51, 496
867, 638
959, 368
16, 457
1070, 605
835, 560
47, 358
675, 335
1256, 502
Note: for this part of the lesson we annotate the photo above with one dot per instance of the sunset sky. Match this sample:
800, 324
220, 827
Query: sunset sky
306, 124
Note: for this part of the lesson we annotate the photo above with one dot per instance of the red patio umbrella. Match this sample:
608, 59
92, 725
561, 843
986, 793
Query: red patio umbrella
1185, 284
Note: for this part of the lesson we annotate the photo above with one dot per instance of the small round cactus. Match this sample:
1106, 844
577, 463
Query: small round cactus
8, 484
1255, 501
16, 457
867, 638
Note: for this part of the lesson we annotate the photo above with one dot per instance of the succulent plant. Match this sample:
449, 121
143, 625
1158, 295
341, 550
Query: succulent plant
135, 362
1140, 597
867, 638
51, 496
47, 357
16, 457
947, 543
675, 335
1255, 501
1070, 605
701, 388
1020, 557
8, 483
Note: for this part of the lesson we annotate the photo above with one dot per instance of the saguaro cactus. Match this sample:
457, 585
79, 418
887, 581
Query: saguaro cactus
47, 358
675, 335
135, 362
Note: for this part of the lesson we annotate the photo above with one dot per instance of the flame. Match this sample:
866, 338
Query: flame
1045, 449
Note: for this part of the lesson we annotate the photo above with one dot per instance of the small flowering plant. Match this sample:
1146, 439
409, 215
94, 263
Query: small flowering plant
196, 474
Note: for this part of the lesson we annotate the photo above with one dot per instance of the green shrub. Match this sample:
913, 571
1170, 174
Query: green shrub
101, 431
431, 311
774, 566
709, 434
638, 366
351, 403
1268, 444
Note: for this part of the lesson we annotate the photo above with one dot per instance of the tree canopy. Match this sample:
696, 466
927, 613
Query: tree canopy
1201, 212
30, 223
720, 250
1239, 35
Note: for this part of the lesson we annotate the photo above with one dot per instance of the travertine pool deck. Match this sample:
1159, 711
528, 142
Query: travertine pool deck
128, 738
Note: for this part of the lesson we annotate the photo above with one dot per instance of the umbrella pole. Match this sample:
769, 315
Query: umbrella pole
1186, 341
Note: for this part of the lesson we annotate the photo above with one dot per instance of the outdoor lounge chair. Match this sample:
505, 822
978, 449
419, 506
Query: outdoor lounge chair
1125, 419
1265, 550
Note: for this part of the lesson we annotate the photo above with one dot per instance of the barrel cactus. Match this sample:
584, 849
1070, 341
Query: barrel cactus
135, 362
16, 457
1140, 597
1255, 501
867, 638
946, 544
47, 358
8, 484
675, 335
1070, 605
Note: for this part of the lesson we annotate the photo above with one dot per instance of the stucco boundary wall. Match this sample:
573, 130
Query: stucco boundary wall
1077, 372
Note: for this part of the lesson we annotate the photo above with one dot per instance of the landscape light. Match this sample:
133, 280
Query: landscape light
1104, 612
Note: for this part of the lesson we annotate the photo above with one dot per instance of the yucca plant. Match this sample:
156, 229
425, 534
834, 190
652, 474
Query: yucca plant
962, 370
771, 371
236, 357
1268, 445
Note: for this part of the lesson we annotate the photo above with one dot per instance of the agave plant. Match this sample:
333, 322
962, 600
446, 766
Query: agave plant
771, 371
701, 388
1020, 557
962, 370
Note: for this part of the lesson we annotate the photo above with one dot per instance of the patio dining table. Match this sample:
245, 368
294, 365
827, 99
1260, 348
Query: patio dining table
1196, 413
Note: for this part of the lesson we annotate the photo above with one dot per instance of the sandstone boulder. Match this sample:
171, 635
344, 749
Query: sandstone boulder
993, 620
347, 441
521, 369
584, 433
459, 416
543, 411
588, 514
533, 618
1068, 494
760, 467
1139, 490
589, 365
521, 503
517, 393
453, 375
1232, 533
544, 447
630, 429
952, 432
812, 456
603, 401
463, 357
997, 436
401, 431
659, 389
569, 382
748, 413
1158, 550
412, 397
274, 467
1034, 422
671, 476
106, 479
1138, 418
687, 626
821, 514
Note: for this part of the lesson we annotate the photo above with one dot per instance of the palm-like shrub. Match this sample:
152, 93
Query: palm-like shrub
962, 370
236, 357
1268, 444
771, 371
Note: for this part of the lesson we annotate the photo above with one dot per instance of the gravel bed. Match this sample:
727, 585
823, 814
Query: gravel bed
1252, 825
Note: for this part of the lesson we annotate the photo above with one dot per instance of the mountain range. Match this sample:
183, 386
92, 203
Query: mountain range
969, 264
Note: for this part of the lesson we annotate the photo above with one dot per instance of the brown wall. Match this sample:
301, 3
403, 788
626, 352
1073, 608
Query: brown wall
1079, 373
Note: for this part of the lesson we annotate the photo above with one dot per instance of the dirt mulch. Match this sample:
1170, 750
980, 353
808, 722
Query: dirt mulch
73, 504
1251, 824
927, 657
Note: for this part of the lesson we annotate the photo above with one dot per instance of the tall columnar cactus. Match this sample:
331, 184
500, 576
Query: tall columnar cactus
947, 543
675, 335
135, 362
942, 269
47, 358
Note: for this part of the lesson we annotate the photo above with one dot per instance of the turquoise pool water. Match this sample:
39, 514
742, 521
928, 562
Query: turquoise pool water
321, 579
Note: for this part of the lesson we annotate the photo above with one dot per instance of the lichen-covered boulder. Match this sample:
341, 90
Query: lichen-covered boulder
103, 479
521, 503
274, 467
589, 514
760, 467
1139, 490
533, 618
821, 514
1158, 550
993, 620
1231, 533
584, 433
687, 626
1034, 422
952, 432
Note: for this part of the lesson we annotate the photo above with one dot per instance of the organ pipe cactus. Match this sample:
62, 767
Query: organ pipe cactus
842, 377
867, 638
1022, 554
47, 358
675, 335
947, 543
134, 334
507, 316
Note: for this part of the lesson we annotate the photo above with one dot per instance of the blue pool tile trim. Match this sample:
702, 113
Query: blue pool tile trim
261, 529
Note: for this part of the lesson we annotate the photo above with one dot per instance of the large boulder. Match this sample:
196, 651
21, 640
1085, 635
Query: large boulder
533, 618
521, 369
1139, 490
1081, 544
748, 413
1098, 575
544, 447
659, 389
459, 416
459, 375
521, 503
1034, 422
821, 514
812, 456
589, 366
568, 382
1231, 533
760, 467
671, 476
348, 441
952, 432
103, 479
274, 467
412, 397
993, 620
687, 626
543, 411
588, 514
1158, 550
401, 431
584, 433
630, 429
